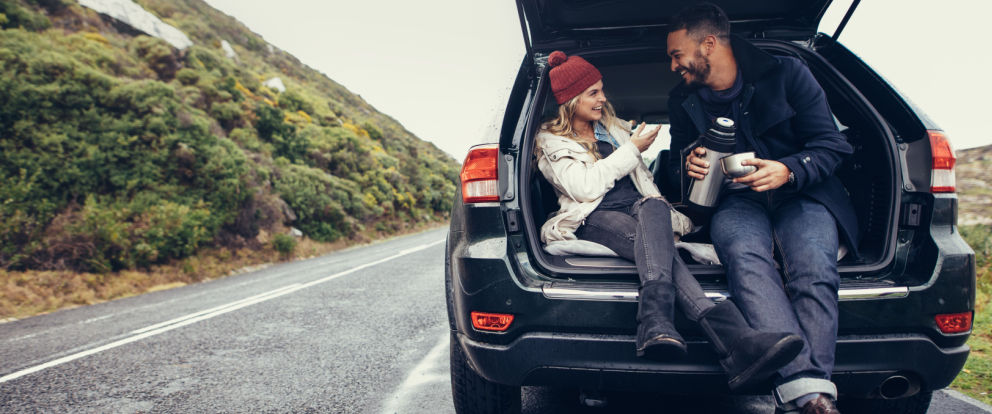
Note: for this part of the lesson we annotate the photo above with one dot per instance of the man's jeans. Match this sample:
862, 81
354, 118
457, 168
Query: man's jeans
642, 233
747, 229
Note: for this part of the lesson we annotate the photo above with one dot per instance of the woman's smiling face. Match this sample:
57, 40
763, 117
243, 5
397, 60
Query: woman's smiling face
589, 107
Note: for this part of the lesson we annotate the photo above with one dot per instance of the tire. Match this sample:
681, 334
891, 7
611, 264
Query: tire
473, 394
449, 292
917, 404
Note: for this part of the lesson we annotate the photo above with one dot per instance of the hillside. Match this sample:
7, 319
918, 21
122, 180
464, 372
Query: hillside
974, 219
121, 150
973, 182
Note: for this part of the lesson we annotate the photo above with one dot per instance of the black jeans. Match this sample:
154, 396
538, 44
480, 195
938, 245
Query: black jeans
642, 233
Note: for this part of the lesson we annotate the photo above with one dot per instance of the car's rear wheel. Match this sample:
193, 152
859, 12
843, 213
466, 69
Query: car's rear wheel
475, 395
917, 404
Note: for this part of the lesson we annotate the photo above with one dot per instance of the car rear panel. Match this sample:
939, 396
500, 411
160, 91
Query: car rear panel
583, 342
573, 338
608, 362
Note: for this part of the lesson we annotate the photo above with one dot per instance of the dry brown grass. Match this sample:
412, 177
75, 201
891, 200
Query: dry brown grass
28, 293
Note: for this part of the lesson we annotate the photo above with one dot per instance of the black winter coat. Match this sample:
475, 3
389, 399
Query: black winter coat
785, 117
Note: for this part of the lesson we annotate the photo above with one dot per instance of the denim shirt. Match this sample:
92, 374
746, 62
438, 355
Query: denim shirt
603, 135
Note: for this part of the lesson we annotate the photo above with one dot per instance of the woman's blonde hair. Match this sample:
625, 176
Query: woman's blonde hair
561, 125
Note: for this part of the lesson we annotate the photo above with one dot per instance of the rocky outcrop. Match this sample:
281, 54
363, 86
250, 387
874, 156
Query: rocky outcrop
228, 50
276, 84
133, 15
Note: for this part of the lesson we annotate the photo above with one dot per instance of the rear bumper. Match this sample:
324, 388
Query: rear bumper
608, 362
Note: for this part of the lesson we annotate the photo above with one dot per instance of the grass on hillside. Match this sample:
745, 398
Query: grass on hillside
121, 153
976, 378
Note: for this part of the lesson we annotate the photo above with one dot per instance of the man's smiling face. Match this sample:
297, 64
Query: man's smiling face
687, 58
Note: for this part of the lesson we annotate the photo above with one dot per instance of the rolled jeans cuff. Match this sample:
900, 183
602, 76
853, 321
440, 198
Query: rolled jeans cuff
786, 394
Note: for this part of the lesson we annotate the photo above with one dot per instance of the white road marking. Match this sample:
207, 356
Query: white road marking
98, 318
424, 373
310, 266
22, 337
204, 315
253, 299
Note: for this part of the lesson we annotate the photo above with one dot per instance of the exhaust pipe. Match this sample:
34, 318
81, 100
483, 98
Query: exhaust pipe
898, 386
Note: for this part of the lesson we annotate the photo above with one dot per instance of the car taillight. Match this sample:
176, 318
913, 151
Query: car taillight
491, 321
942, 172
479, 178
954, 322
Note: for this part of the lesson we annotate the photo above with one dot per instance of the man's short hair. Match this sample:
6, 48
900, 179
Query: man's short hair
700, 20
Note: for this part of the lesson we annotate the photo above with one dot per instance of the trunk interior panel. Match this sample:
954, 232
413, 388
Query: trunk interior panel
637, 83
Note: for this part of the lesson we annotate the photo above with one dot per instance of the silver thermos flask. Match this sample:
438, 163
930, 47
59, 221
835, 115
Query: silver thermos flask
719, 141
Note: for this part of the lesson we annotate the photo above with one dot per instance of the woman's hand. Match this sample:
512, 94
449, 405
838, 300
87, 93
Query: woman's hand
642, 140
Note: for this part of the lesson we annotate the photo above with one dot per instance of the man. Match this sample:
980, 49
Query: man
793, 203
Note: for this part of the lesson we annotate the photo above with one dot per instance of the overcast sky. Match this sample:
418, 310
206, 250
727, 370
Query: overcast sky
441, 67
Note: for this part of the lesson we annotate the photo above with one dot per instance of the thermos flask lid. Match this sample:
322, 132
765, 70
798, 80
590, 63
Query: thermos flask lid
720, 136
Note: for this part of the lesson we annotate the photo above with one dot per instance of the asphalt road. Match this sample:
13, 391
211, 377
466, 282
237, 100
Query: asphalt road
358, 331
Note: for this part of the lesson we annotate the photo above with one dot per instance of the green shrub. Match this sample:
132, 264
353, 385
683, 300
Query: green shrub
17, 16
284, 244
104, 227
201, 58
292, 101
374, 131
228, 114
52, 6
187, 76
979, 237
228, 84
308, 191
107, 235
158, 54
246, 138
286, 142
269, 122
78, 132
169, 231
24, 213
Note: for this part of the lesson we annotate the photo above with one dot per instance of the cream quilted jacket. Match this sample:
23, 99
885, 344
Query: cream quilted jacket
581, 181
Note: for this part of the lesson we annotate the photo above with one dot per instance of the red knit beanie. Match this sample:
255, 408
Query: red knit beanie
570, 75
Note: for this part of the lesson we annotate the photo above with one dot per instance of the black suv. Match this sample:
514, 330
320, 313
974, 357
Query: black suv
520, 316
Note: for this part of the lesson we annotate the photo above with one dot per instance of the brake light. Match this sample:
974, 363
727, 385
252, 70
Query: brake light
954, 322
942, 172
491, 321
479, 178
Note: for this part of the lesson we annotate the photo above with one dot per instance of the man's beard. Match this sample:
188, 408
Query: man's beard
699, 69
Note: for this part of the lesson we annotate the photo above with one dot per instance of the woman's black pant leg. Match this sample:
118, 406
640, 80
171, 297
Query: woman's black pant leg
651, 217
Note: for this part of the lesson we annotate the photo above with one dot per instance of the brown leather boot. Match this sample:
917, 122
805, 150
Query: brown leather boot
820, 405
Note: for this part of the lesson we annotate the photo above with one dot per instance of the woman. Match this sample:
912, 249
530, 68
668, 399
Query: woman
608, 196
